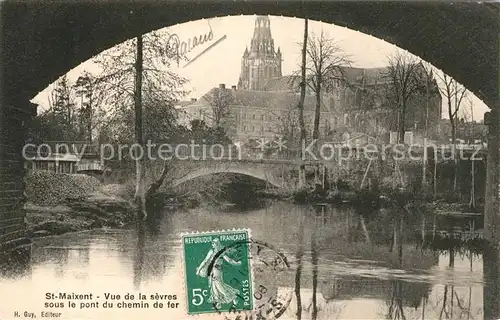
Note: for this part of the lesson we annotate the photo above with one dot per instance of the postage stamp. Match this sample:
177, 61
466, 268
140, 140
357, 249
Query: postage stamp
218, 278
227, 272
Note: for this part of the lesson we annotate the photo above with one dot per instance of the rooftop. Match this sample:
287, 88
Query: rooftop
353, 75
263, 99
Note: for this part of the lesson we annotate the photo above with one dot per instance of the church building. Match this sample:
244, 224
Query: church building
261, 62
264, 103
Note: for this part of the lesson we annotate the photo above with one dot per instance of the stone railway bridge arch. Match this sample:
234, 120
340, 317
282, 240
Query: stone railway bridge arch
273, 172
41, 41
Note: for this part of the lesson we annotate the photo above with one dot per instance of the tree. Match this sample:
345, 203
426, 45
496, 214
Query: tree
325, 67
62, 105
134, 74
160, 84
140, 191
472, 202
286, 122
300, 106
454, 93
302, 169
404, 84
429, 79
60, 121
219, 100
87, 88
50, 126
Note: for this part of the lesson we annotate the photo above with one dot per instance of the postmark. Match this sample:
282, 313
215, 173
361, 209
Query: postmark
230, 274
269, 266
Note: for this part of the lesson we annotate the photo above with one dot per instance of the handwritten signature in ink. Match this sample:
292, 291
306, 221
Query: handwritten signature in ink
181, 48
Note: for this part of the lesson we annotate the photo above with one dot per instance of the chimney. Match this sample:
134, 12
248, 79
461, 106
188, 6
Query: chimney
233, 87
222, 86
193, 99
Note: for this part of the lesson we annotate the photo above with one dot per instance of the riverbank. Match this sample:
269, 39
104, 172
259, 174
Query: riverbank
59, 203
382, 198
96, 210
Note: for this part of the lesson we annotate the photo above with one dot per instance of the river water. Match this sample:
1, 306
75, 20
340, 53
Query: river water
358, 277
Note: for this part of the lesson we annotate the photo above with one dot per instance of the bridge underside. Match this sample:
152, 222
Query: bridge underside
41, 41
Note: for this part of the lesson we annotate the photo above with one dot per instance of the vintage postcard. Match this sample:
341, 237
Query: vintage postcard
249, 160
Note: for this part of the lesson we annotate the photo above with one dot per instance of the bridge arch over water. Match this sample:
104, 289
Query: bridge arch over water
251, 172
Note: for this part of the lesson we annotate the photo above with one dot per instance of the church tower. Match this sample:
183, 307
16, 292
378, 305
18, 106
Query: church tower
261, 62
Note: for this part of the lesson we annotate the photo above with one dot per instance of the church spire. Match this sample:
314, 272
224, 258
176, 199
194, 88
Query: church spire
261, 62
262, 40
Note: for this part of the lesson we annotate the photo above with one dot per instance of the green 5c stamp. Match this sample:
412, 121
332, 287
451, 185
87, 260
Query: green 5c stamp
217, 271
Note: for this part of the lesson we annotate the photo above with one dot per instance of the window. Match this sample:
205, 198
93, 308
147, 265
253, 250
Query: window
262, 117
253, 116
253, 128
245, 128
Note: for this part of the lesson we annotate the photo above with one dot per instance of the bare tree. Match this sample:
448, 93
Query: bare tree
472, 202
219, 100
300, 106
286, 122
140, 190
403, 85
325, 67
429, 78
454, 94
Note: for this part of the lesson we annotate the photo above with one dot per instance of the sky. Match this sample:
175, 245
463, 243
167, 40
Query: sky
222, 63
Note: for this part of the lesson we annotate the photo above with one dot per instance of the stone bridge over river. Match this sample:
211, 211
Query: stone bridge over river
273, 172
280, 169
276, 170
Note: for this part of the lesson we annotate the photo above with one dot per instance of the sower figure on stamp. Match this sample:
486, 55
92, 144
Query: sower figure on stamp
220, 292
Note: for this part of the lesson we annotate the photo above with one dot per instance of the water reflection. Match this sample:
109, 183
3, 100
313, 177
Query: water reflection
344, 265
139, 254
491, 260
